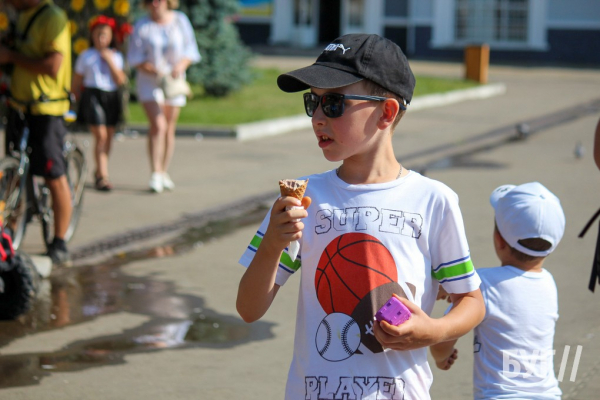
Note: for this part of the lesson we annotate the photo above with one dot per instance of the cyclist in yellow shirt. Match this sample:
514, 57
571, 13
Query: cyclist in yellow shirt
42, 67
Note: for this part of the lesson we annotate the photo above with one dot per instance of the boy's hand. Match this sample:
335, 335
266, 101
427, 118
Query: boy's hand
419, 331
443, 295
306, 202
285, 225
148, 67
446, 364
106, 54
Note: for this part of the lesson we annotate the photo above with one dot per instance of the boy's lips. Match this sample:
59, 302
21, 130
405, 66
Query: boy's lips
324, 140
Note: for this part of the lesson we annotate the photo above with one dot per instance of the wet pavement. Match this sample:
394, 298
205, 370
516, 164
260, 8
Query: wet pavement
84, 294
149, 310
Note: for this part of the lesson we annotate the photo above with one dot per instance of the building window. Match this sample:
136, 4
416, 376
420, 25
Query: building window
492, 20
396, 8
503, 24
355, 13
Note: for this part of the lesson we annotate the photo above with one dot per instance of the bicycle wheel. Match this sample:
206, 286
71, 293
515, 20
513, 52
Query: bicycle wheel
13, 201
76, 172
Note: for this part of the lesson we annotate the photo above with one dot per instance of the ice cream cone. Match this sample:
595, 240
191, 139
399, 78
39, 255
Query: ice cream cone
293, 187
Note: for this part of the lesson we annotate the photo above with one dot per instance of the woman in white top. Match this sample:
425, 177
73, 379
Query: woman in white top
98, 75
162, 43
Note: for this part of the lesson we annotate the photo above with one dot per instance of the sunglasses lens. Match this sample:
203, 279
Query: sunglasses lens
311, 102
333, 105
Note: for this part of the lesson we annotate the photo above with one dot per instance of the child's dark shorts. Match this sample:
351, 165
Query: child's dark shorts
98, 107
46, 140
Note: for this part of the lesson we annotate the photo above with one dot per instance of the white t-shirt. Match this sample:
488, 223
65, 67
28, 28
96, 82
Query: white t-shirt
163, 45
513, 345
360, 244
95, 71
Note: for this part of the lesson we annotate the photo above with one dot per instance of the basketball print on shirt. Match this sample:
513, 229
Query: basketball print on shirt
356, 274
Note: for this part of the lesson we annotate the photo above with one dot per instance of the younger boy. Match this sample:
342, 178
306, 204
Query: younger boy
374, 230
513, 344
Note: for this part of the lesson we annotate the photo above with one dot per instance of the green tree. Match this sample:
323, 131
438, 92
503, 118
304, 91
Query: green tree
224, 67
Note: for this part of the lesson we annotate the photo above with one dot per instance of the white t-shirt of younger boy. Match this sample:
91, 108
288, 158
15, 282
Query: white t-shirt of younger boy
95, 71
360, 245
513, 345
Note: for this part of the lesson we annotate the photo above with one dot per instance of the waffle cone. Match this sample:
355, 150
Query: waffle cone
293, 187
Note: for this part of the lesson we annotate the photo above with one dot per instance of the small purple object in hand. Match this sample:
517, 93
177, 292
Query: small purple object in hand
393, 312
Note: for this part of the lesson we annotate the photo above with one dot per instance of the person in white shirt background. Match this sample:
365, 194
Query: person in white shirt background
162, 43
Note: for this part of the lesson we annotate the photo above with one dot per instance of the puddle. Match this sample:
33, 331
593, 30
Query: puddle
77, 295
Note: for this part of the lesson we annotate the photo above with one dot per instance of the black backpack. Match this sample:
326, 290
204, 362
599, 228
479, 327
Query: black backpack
19, 280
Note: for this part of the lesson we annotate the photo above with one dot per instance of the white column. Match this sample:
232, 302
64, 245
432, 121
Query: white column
443, 23
373, 22
537, 24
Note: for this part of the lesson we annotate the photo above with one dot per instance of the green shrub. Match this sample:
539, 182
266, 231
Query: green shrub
224, 66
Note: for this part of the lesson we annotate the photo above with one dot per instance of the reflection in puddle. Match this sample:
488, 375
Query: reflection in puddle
82, 294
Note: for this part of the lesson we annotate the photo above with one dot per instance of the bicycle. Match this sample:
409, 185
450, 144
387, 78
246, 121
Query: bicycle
23, 195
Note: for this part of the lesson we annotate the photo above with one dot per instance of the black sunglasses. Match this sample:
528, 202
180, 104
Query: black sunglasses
333, 103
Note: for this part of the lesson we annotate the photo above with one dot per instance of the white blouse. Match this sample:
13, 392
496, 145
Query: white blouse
163, 45
95, 71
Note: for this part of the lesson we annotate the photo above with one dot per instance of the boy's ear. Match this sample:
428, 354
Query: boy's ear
500, 242
390, 108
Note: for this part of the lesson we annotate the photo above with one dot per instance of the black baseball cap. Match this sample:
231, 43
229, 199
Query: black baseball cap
350, 59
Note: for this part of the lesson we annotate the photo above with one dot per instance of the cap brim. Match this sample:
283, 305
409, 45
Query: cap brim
499, 192
317, 76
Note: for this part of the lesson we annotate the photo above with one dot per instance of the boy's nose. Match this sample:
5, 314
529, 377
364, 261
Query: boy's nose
318, 114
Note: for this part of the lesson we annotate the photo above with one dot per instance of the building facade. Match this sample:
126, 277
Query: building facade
565, 31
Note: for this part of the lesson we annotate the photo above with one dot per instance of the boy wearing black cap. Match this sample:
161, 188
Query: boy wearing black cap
513, 346
373, 230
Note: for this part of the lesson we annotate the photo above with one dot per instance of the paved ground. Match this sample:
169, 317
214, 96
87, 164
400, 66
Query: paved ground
133, 312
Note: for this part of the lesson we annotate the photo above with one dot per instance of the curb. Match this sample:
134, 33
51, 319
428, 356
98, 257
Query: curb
278, 126
456, 96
